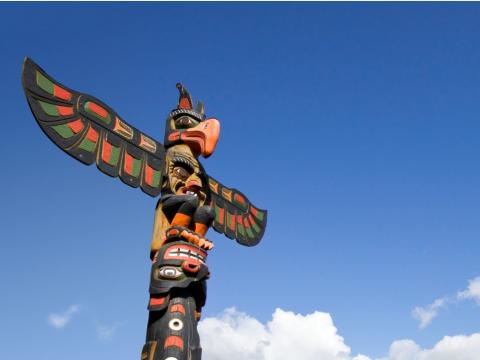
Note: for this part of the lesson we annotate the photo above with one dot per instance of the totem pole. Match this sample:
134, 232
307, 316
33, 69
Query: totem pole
190, 200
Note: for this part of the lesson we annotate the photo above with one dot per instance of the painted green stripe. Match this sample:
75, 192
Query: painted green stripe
217, 214
249, 233
256, 227
156, 178
228, 220
50, 109
260, 215
240, 205
114, 155
87, 145
241, 229
106, 120
136, 167
63, 130
44, 83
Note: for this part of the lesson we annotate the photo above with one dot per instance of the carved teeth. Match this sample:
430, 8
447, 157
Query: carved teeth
180, 252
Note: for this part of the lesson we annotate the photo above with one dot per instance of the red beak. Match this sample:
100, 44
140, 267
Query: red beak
203, 138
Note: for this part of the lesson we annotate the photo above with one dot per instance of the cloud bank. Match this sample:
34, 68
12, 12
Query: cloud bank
458, 347
235, 335
60, 320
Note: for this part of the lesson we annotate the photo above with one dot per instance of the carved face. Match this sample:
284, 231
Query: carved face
200, 135
186, 125
184, 173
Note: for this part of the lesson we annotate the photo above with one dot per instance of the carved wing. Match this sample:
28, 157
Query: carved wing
91, 131
235, 215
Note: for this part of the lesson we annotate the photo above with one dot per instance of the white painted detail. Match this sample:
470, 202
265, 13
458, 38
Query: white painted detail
175, 324
170, 272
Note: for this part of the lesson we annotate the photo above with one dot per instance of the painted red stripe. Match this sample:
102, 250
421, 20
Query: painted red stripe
97, 109
239, 219
149, 175
174, 136
128, 163
240, 199
92, 135
106, 151
173, 340
65, 110
221, 215
246, 223
178, 308
61, 93
252, 220
184, 104
253, 211
76, 126
232, 222
157, 301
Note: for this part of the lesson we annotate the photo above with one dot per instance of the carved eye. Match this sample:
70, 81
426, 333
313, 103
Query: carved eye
185, 122
181, 172
169, 272
175, 324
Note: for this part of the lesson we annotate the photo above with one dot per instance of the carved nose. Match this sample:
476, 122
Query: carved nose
193, 183
190, 267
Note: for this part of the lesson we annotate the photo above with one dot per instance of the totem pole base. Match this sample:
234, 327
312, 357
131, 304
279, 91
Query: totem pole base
177, 295
172, 333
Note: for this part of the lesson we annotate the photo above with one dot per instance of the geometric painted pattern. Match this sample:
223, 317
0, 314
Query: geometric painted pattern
92, 132
235, 215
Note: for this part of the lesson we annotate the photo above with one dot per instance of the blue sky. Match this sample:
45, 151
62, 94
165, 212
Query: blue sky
356, 126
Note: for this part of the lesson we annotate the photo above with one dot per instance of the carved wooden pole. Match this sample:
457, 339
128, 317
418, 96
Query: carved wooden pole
191, 201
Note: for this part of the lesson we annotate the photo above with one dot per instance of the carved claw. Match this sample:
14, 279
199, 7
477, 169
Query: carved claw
190, 236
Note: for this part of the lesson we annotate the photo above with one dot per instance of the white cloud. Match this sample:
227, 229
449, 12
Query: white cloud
107, 332
62, 319
426, 314
458, 347
404, 350
472, 292
235, 335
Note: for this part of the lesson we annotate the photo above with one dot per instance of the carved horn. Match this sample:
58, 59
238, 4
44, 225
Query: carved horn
184, 101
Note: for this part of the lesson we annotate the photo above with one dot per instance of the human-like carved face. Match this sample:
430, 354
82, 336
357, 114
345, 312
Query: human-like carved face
184, 174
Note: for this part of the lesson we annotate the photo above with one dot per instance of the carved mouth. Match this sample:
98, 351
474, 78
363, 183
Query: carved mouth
183, 252
192, 190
